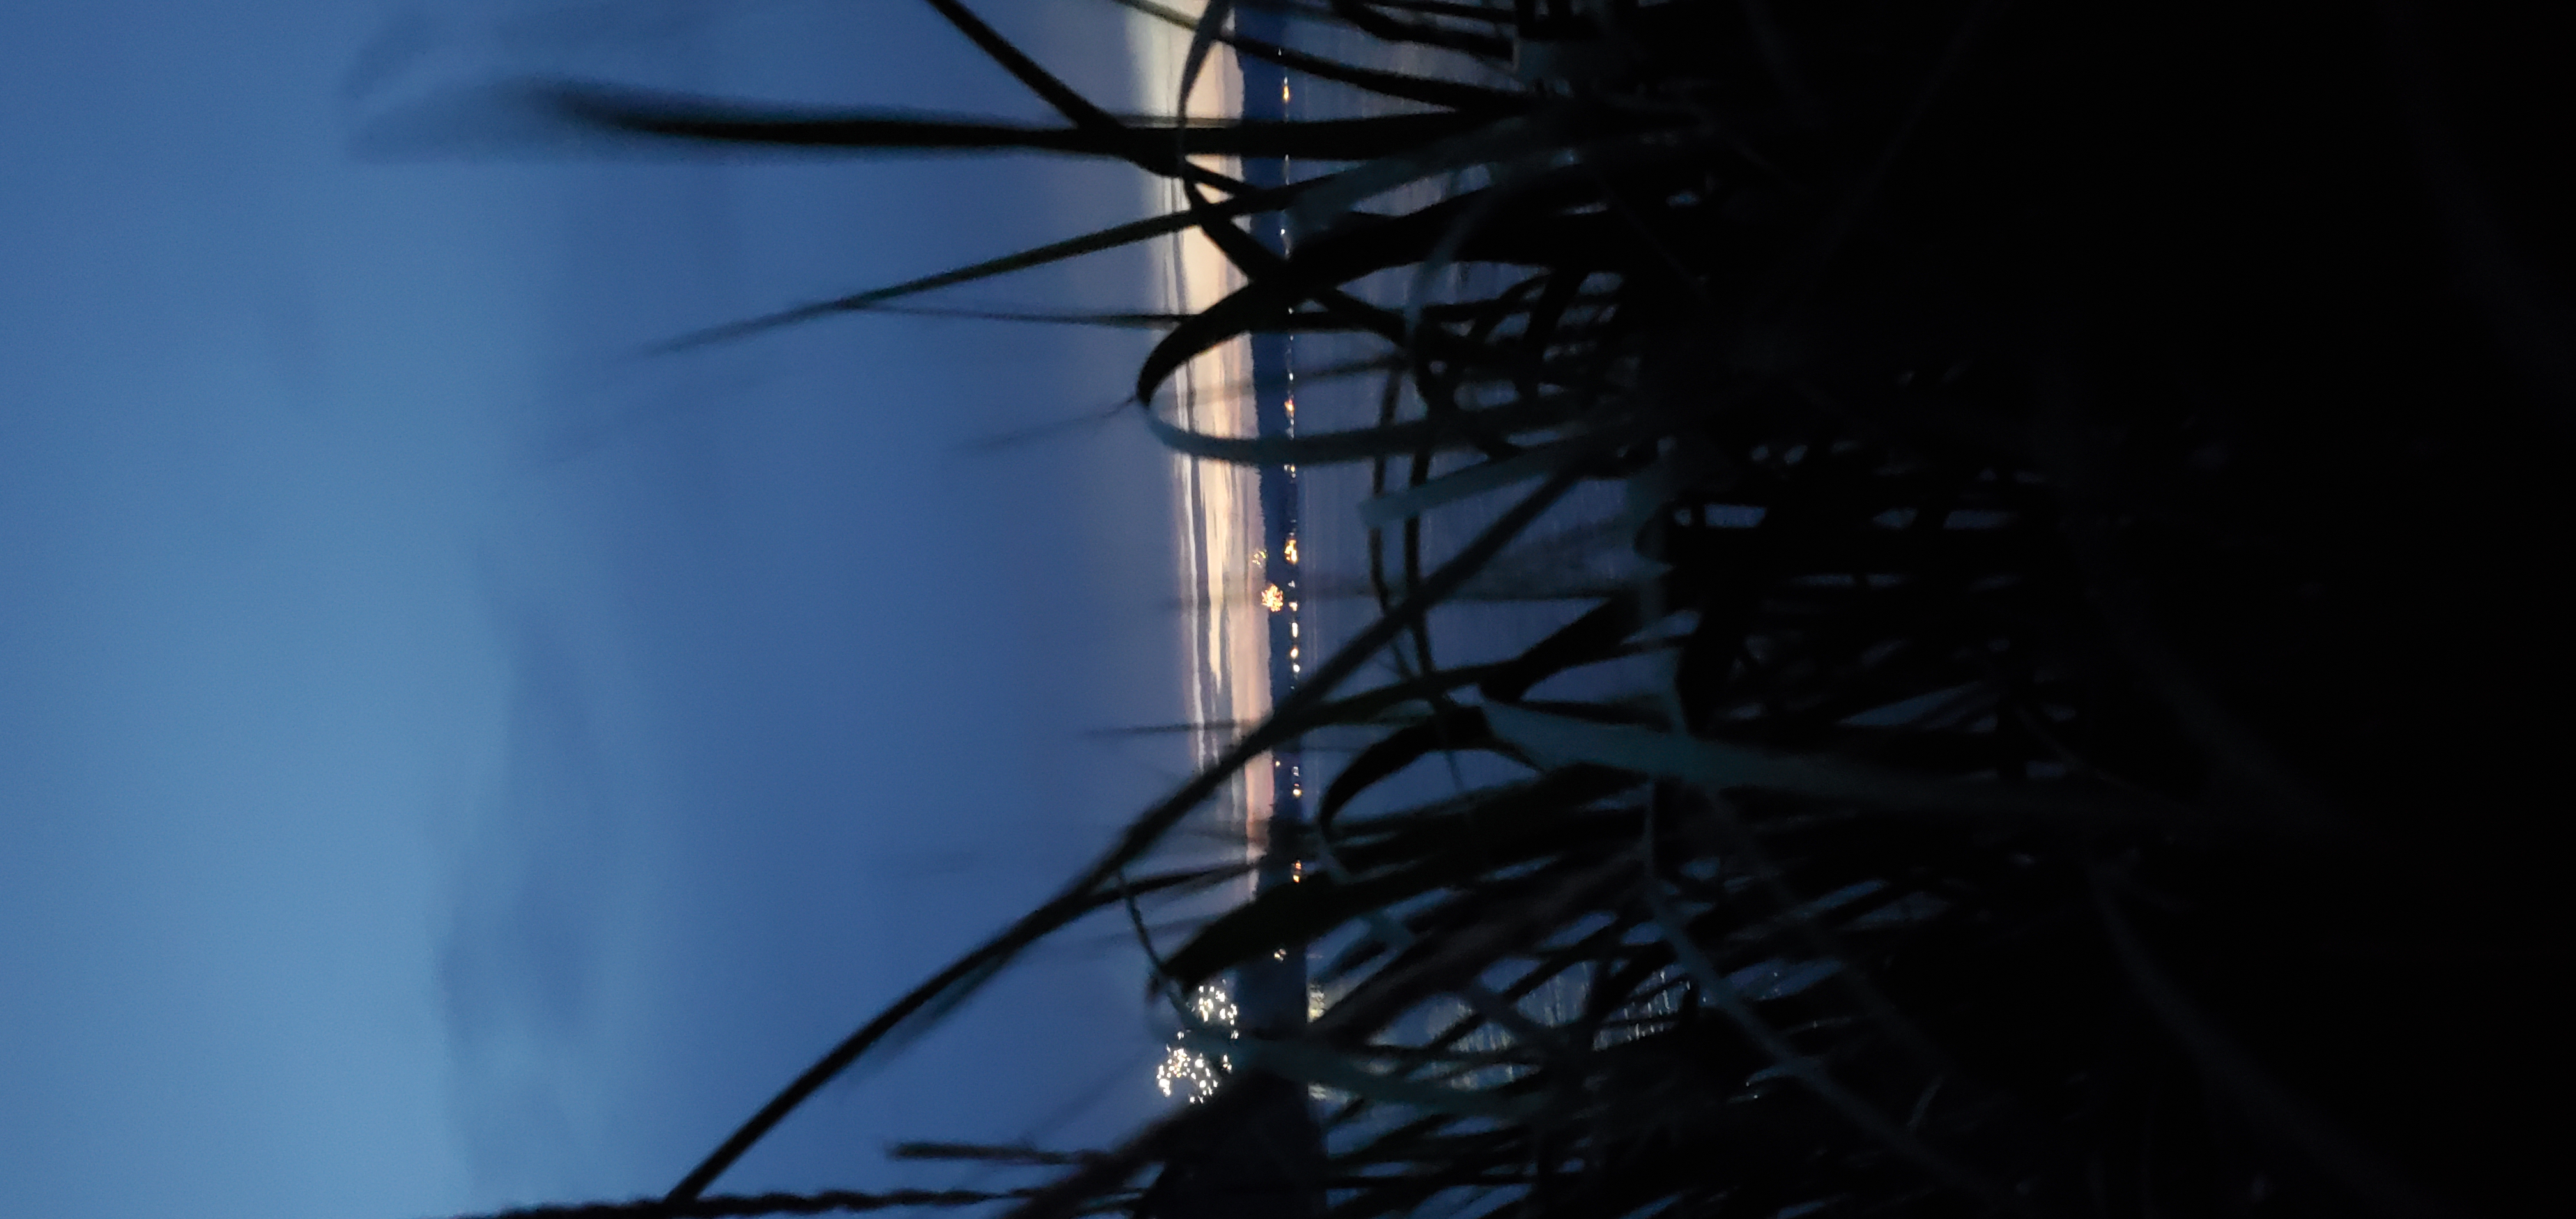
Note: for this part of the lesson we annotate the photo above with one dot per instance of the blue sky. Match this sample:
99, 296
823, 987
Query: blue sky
447, 761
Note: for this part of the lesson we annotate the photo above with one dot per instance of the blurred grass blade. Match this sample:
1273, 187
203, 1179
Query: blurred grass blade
1314, 1064
1717, 766
1110, 238
1393, 507
1426, 89
1714, 989
714, 120
1503, 139
916, 1009
2379, 1189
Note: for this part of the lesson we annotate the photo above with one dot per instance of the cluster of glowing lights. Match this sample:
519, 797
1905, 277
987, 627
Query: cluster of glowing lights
1190, 1072
1195, 1078
1196, 1074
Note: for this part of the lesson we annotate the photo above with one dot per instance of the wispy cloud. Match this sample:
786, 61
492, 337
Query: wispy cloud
519, 965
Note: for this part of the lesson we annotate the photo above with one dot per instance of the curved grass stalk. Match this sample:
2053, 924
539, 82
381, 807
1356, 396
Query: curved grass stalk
1806, 1070
1718, 766
2379, 1189
969, 973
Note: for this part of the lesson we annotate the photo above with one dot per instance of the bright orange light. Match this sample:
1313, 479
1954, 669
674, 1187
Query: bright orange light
1272, 599
1289, 552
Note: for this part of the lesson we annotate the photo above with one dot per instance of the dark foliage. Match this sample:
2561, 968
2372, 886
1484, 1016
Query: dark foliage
2106, 469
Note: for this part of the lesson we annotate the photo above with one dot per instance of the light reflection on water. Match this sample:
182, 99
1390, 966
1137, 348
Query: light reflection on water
1224, 565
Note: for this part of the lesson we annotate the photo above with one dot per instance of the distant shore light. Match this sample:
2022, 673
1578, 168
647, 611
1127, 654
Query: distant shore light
1272, 598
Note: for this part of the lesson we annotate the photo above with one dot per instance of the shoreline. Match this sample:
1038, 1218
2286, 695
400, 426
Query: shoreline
1217, 508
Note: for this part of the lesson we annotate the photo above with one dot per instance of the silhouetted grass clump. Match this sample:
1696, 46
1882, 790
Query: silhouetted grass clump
2101, 678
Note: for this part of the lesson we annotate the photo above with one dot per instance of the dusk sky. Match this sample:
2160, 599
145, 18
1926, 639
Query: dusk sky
450, 760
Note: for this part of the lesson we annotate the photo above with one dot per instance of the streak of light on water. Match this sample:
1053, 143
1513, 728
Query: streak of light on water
1217, 506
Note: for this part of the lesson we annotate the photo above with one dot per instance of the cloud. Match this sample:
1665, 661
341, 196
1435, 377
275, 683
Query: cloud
520, 962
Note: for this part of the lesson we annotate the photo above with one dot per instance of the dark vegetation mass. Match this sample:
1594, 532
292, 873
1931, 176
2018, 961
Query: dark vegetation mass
2103, 477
